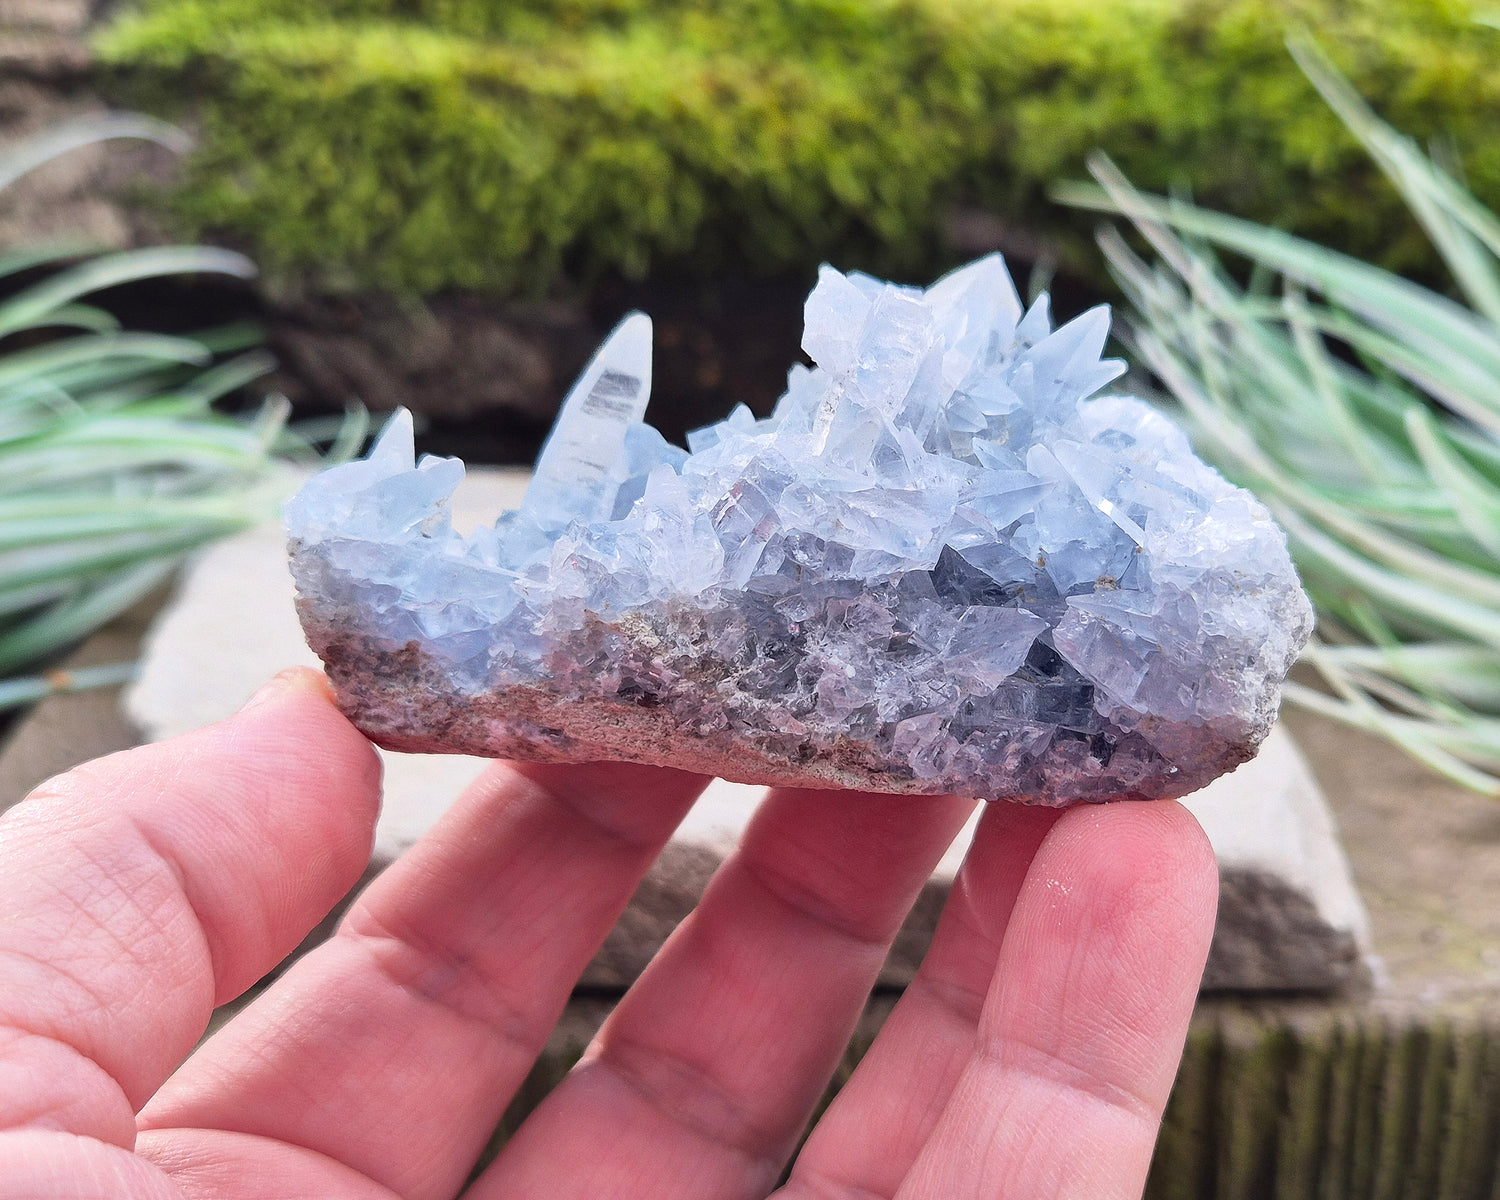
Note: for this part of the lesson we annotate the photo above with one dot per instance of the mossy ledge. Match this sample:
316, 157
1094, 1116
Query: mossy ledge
418, 145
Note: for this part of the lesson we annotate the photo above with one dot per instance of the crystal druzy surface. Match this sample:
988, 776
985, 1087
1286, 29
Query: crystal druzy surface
938, 566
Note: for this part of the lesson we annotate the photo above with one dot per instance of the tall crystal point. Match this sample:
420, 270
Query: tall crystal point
938, 566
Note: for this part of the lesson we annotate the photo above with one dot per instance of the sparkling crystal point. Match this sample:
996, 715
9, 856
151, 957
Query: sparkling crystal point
582, 463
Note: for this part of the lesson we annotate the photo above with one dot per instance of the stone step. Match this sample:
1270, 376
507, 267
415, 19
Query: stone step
1274, 1101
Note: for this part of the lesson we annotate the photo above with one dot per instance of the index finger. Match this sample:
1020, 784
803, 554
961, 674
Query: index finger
395, 1046
138, 891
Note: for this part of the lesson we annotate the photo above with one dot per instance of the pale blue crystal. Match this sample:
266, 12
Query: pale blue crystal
937, 566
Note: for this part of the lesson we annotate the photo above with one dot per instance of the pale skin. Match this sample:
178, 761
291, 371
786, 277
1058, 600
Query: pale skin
1030, 1059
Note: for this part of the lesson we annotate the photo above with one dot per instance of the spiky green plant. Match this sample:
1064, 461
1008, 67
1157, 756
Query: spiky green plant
1365, 411
113, 462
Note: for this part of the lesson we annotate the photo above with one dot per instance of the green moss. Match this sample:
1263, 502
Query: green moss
422, 144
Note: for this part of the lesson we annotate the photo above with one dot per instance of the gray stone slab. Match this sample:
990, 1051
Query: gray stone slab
1290, 918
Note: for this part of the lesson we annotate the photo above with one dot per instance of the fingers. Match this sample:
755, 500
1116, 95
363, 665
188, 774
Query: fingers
140, 890
703, 1077
873, 1131
209, 1164
395, 1047
1083, 1028
38, 1164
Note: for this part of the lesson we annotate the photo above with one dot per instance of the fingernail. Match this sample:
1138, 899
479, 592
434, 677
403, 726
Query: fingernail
280, 684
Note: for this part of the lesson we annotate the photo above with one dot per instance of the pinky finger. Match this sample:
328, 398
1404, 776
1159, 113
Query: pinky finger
1084, 1024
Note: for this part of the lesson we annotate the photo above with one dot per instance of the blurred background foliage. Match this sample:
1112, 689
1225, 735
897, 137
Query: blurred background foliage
419, 145
1364, 410
115, 460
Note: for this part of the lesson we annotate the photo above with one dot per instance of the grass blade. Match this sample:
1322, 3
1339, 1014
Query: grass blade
16, 692
1365, 411
111, 270
22, 159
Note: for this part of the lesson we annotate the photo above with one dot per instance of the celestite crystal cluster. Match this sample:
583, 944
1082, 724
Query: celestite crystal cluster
936, 567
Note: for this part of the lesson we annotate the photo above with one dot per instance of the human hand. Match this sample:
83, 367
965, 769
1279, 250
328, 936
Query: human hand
1031, 1057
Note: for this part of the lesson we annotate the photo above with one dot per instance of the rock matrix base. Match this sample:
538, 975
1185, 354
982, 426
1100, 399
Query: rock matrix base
938, 566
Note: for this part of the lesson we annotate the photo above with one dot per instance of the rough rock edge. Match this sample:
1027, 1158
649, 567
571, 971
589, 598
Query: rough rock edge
401, 701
